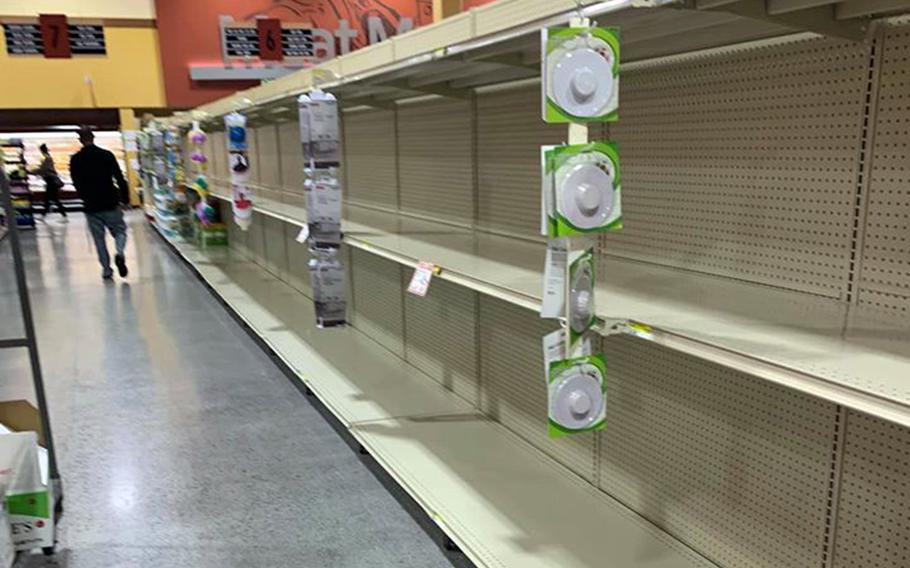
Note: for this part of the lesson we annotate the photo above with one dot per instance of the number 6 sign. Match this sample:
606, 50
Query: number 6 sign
269, 32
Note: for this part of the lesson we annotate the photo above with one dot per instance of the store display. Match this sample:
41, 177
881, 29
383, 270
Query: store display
580, 301
7, 548
239, 165
581, 189
161, 152
176, 186
206, 219
320, 138
16, 168
29, 496
321, 141
329, 283
580, 69
554, 279
577, 394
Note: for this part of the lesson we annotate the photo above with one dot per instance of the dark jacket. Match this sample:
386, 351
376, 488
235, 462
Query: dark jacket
93, 171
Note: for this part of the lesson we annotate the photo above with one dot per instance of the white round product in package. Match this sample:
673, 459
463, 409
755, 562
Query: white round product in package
577, 397
585, 190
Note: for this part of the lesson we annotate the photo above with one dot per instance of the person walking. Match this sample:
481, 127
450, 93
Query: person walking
94, 171
52, 183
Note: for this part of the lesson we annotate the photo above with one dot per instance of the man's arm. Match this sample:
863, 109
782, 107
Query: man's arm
121, 182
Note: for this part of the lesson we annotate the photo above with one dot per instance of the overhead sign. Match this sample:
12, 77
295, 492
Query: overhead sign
255, 39
240, 41
23, 39
298, 42
269, 38
87, 39
54, 37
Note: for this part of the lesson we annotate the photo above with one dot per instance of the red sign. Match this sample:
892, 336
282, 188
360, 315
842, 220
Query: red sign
55, 35
269, 30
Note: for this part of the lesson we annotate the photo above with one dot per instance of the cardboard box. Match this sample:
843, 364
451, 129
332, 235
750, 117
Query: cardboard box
7, 548
24, 474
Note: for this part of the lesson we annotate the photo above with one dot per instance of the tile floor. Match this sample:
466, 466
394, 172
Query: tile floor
180, 443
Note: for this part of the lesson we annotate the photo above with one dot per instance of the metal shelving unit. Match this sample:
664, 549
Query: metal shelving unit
752, 311
430, 441
811, 344
23, 202
29, 342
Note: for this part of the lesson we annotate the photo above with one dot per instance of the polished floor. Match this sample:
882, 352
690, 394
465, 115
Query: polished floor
180, 443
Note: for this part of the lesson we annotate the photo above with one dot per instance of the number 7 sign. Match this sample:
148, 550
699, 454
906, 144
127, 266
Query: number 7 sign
55, 35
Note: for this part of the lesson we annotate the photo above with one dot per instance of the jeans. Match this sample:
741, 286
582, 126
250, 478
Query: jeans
112, 221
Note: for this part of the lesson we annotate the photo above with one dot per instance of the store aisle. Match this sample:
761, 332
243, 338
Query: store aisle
180, 443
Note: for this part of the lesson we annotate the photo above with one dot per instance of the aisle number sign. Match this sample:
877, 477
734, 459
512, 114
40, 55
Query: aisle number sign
271, 40
53, 36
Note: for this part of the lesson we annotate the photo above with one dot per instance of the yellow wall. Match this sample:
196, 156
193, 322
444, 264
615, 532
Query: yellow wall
128, 77
126, 9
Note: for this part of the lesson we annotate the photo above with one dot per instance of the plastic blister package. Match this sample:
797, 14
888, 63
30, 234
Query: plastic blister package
580, 74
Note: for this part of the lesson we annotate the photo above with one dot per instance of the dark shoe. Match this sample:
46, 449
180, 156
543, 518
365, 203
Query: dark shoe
121, 265
108, 275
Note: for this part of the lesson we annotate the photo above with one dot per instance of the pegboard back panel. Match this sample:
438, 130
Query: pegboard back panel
219, 156
873, 527
255, 239
885, 277
436, 166
513, 384
269, 162
733, 466
370, 163
441, 335
290, 153
276, 247
209, 149
298, 273
252, 152
377, 292
744, 163
509, 135
236, 237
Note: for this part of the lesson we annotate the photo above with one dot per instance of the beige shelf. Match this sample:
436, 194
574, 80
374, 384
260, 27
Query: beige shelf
371, 386
503, 502
849, 355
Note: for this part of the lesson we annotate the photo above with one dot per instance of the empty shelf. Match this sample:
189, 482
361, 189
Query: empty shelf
503, 502
847, 354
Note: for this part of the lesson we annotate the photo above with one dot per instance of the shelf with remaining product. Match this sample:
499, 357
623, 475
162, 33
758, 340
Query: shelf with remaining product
15, 165
812, 344
435, 445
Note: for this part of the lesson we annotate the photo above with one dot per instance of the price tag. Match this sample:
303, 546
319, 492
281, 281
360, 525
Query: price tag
420, 282
640, 330
303, 235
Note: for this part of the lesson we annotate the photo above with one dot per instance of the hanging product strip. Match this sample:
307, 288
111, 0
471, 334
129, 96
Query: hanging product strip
320, 137
580, 198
